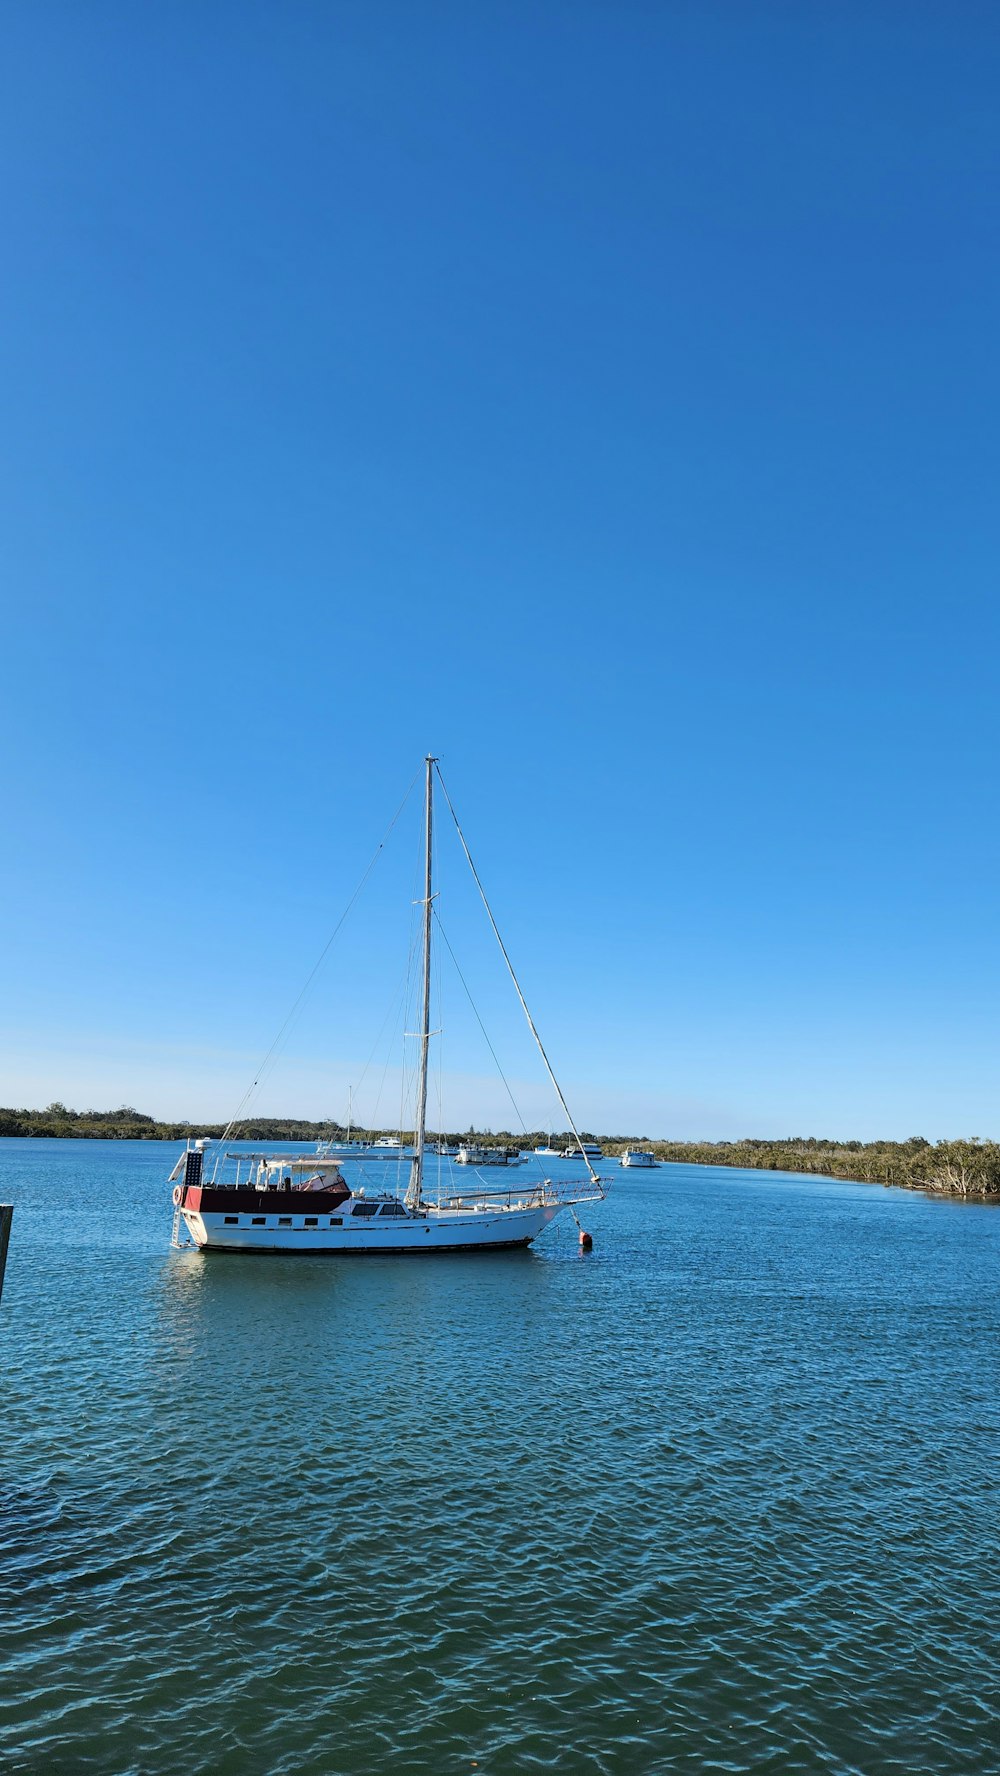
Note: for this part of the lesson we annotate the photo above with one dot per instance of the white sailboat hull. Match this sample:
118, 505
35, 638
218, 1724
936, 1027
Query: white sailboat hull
432, 1230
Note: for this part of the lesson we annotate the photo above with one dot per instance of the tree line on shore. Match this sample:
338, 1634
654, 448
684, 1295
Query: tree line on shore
966, 1168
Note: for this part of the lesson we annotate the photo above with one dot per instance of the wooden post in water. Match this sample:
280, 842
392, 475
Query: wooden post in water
6, 1217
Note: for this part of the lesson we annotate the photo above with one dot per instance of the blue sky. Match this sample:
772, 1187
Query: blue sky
603, 397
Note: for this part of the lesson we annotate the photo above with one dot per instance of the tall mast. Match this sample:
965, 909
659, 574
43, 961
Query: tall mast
417, 1167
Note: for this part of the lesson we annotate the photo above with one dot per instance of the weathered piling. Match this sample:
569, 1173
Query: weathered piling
6, 1217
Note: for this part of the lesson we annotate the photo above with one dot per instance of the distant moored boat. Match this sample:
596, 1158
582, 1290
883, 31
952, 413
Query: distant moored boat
488, 1156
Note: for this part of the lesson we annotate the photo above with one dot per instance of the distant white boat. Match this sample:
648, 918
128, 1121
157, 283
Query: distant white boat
588, 1150
634, 1157
488, 1156
388, 1144
547, 1152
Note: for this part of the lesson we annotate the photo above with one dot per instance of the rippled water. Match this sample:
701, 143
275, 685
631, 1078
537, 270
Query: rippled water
718, 1497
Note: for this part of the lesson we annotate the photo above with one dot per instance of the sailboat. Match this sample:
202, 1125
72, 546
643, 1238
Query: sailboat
294, 1202
346, 1149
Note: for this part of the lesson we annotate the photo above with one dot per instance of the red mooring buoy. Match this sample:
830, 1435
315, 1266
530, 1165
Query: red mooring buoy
586, 1243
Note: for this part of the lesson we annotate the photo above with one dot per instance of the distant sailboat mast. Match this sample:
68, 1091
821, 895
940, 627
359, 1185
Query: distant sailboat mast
417, 1167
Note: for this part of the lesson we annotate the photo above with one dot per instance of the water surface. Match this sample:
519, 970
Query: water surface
718, 1497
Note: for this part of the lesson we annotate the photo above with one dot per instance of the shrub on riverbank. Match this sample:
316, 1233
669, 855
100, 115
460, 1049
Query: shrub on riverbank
960, 1168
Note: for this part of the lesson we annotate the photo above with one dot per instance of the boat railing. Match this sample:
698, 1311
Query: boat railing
548, 1190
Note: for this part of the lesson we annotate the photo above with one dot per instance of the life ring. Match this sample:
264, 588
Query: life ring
178, 1194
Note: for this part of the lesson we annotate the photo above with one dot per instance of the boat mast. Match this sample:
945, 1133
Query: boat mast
417, 1167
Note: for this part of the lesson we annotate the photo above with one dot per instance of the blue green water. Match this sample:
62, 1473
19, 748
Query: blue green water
718, 1497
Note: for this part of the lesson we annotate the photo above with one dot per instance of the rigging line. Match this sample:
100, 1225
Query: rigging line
517, 985
400, 1008
392, 1006
407, 1075
319, 963
479, 1021
408, 1002
439, 1081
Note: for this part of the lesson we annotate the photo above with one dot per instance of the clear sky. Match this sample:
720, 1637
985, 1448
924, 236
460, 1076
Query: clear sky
602, 396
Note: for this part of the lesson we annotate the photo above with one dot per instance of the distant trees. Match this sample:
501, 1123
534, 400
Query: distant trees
962, 1168
58, 1121
967, 1168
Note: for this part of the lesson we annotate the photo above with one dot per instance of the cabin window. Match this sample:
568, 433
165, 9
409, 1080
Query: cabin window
365, 1209
258, 1221
232, 1220
393, 1209
312, 1221
284, 1220
336, 1220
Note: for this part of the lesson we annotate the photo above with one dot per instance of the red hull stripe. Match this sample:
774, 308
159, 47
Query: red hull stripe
203, 1199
